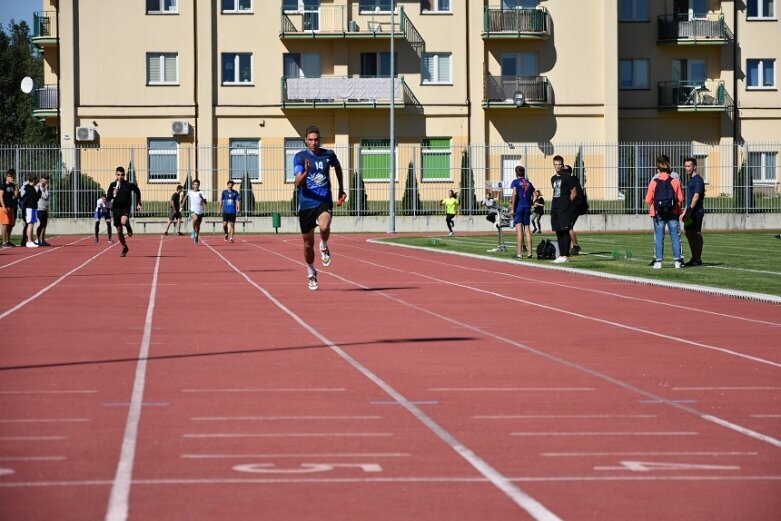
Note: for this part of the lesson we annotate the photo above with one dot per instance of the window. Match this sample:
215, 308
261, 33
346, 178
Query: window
163, 160
297, 6
292, 147
382, 6
162, 69
633, 74
435, 68
520, 64
436, 160
520, 4
161, 6
236, 68
236, 6
245, 159
633, 11
435, 6
375, 159
690, 71
377, 64
761, 9
762, 166
304, 65
761, 74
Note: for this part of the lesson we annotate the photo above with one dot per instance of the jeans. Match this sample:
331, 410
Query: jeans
675, 236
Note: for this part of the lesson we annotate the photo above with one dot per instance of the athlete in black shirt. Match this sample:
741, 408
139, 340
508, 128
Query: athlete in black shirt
120, 193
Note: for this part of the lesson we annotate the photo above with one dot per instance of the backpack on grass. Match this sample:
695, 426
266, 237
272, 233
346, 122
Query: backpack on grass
546, 250
664, 198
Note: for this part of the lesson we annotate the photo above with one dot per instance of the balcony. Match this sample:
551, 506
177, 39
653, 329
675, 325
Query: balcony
47, 102
341, 21
499, 91
683, 96
341, 92
700, 31
44, 29
516, 23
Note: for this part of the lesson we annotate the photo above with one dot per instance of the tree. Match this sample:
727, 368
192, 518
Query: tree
247, 195
19, 58
410, 201
467, 188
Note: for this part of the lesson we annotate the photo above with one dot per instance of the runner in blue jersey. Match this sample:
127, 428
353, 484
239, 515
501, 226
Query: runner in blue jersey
312, 170
230, 202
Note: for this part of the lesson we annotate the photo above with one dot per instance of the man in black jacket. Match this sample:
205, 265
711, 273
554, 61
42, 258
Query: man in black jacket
120, 193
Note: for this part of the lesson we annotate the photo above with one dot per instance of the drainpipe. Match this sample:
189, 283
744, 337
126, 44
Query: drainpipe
735, 94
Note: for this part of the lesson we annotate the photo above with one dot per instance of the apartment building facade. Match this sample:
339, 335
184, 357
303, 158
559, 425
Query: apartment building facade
203, 87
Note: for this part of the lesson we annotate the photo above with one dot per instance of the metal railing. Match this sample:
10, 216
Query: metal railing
342, 91
713, 29
710, 94
344, 21
47, 98
615, 175
535, 89
516, 22
44, 26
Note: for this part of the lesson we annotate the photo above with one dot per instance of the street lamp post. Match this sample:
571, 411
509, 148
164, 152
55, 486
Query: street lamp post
392, 176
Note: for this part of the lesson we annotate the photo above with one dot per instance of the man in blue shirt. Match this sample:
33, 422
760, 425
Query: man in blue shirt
230, 202
312, 170
520, 206
694, 212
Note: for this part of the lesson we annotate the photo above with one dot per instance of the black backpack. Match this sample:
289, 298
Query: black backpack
546, 250
580, 204
664, 197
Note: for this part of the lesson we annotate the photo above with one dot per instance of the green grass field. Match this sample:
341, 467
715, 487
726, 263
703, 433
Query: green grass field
745, 261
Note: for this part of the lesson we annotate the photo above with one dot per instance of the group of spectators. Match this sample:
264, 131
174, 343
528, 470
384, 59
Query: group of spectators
28, 203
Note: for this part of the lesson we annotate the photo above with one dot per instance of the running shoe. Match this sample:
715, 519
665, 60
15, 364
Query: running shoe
124, 251
575, 250
677, 265
231, 240
31, 244
129, 231
561, 260
313, 283
179, 233
195, 239
657, 265
451, 234
226, 237
325, 256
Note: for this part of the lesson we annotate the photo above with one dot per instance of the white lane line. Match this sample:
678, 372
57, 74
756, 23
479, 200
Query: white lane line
301, 455
50, 286
281, 418
270, 390
45, 420
433, 479
766, 415
674, 453
40, 252
118, 505
33, 458
66, 391
726, 388
33, 438
533, 507
626, 433
291, 435
560, 416
510, 389
562, 361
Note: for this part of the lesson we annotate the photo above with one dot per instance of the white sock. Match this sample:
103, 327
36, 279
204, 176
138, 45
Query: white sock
310, 268
323, 245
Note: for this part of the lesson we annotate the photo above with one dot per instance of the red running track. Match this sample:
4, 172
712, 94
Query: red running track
207, 383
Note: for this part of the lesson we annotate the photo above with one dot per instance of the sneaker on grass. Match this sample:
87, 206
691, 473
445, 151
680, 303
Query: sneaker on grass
561, 260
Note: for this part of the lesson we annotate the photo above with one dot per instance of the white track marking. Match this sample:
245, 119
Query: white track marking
766, 415
291, 435
45, 420
300, 455
615, 381
40, 252
561, 416
726, 388
281, 418
33, 458
271, 390
33, 438
85, 391
607, 433
118, 505
510, 389
534, 508
50, 286
674, 453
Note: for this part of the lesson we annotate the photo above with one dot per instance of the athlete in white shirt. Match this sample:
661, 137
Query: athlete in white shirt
197, 201
103, 211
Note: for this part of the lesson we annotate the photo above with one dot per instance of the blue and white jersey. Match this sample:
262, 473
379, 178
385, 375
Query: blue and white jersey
229, 199
316, 190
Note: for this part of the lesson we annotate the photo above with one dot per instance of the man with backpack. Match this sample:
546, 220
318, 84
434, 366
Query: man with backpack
564, 195
665, 197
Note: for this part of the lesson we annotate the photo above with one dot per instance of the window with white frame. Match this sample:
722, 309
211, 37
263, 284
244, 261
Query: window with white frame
161, 6
435, 6
520, 4
436, 68
236, 68
760, 9
633, 11
374, 159
162, 68
245, 159
761, 73
633, 74
236, 6
762, 166
163, 159
382, 6
301, 65
437, 160
292, 147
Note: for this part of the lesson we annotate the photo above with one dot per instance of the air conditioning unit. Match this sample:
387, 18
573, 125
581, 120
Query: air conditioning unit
180, 128
352, 26
86, 134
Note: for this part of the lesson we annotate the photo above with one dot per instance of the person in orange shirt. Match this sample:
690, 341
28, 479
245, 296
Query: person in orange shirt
665, 197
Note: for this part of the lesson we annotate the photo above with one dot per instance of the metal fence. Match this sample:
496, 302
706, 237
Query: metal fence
739, 178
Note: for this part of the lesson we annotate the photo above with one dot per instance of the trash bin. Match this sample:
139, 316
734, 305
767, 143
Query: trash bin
276, 221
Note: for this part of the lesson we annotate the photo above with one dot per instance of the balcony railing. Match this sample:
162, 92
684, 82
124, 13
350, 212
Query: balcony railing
46, 102
499, 91
516, 23
44, 28
339, 21
709, 95
331, 92
712, 30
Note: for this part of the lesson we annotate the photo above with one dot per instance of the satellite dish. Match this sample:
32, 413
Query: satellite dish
27, 85
518, 99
